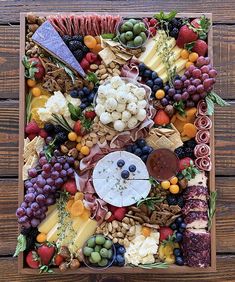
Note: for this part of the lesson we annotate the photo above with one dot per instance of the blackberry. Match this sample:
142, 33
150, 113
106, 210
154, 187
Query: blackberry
191, 143
180, 152
85, 49
172, 200
74, 45
25, 231
78, 54
180, 202
189, 152
49, 128
174, 32
78, 38
66, 39
58, 128
31, 238
61, 137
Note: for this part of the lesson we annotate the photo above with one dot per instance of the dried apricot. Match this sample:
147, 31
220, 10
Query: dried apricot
189, 130
78, 196
77, 208
146, 231
97, 49
41, 238
184, 54
90, 41
69, 204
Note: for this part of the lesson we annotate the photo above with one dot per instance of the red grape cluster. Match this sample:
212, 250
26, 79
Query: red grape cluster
42, 187
193, 85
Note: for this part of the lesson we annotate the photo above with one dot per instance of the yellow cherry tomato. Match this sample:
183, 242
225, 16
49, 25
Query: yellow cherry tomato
79, 146
72, 136
160, 94
184, 54
79, 138
165, 184
85, 150
41, 237
193, 57
36, 91
31, 82
174, 189
188, 64
174, 180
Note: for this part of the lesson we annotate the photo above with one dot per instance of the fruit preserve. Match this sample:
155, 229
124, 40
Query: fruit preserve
162, 164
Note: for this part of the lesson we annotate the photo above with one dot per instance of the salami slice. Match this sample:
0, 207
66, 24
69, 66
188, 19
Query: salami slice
202, 136
202, 150
203, 122
203, 163
201, 108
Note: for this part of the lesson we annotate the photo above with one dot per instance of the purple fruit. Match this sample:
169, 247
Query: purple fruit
195, 97
40, 198
45, 175
212, 73
200, 88
32, 172
178, 84
196, 73
59, 182
177, 97
196, 81
183, 77
34, 206
207, 60
70, 171
66, 166
191, 68
47, 189
41, 181
24, 205
187, 74
190, 104
29, 212
42, 161
204, 69
57, 167
205, 76
207, 83
46, 168
29, 198
201, 61
187, 83
171, 92
20, 212
54, 175
164, 102
185, 96
50, 181
203, 95
35, 222
191, 89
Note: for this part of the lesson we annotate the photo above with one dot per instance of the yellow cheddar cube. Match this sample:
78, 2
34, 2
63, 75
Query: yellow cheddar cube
49, 222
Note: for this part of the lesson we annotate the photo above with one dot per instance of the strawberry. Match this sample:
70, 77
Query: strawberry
200, 47
90, 114
43, 133
32, 128
46, 253
58, 259
32, 259
152, 31
77, 127
186, 35
33, 68
32, 136
196, 23
70, 186
201, 26
165, 232
184, 163
119, 213
91, 57
85, 64
153, 22
112, 208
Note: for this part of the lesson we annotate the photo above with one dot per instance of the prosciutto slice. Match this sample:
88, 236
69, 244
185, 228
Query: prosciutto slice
202, 150
203, 163
202, 136
201, 108
203, 123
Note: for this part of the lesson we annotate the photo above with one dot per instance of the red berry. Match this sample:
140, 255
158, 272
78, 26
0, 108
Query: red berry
111, 218
152, 31
43, 133
70, 186
58, 259
119, 214
77, 127
165, 232
32, 127
90, 114
32, 136
32, 259
85, 64
184, 163
91, 57
46, 253
112, 208
153, 22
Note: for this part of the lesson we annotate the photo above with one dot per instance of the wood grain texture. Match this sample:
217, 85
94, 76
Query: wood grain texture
225, 272
225, 220
223, 48
224, 139
223, 11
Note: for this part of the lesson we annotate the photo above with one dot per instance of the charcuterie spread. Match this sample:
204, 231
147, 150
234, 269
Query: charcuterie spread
117, 142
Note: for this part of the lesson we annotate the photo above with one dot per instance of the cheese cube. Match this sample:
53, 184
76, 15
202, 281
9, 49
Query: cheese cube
50, 221
52, 235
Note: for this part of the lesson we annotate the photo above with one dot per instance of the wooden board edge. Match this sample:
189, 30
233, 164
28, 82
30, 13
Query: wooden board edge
174, 269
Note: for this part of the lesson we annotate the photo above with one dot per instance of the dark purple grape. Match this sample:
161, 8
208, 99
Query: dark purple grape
70, 160
35, 222
204, 69
39, 190
33, 180
61, 160
171, 92
196, 81
34, 206
177, 97
164, 102
195, 97
46, 168
30, 190
42, 216
187, 74
200, 88
66, 166
187, 83
207, 83
37, 213
196, 73
53, 189
57, 195
50, 181
40, 198
48, 140
190, 104
212, 73
53, 160
47, 189
42, 161
203, 95
178, 84
70, 171
32, 172
59, 182
44, 209
63, 173
185, 96
178, 91
205, 76
167, 97
166, 88
41, 154
41, 181
207, 60
28, 184
57, 167
55, 174
201, 61
23, 219
29, 212
191, 68
50, 201
156, 88
191, 89
29, 198
20, 212
45, 175
24, 205
57, 153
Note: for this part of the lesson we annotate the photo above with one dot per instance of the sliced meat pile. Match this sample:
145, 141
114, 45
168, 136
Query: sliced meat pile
196, 240
202, 150
196, 247
85, 24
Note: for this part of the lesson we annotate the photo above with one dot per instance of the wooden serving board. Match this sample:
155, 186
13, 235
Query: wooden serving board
22, 268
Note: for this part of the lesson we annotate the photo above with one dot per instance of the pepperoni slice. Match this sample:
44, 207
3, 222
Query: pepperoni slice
202, 136
202, 150
203, 122
203, 163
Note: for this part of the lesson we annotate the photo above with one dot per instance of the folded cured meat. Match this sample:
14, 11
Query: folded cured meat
202, 136
194, 206
197, 220
196, 192
196, 247
203, 123
203, 163
202, 150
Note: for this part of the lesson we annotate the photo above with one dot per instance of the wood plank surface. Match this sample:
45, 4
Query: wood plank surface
224, 139
223, 11
224, 60
225, 220
225, 272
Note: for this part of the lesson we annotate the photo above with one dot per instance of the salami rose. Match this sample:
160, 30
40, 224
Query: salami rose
203, 163
202, 150
201, 108
202, 136
203, 122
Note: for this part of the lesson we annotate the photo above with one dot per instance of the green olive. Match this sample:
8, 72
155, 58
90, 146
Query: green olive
129, 35
97, 248
110, 253
91, 242
108, 244
103, 262
143, 35
143, 27
123, 38
130, 44
87, 251
137, 29
138, 41
133, 21
95, 257
127, 26
99, 239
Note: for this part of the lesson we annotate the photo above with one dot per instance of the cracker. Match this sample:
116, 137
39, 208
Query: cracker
107, 55
176, 140
164, 142
123, 56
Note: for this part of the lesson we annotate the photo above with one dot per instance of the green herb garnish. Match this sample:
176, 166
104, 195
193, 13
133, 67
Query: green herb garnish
21, 245
91, 76
75, 112
108, 35
61, 121
170, 239
180, 107
211, 99
28, 107
50, 149
190, 171
150, 202
161, 16
212, 208
151, 265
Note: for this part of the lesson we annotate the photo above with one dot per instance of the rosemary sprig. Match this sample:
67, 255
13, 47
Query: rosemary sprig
62, 121
151, 265
150, 202
66, 69
212, 208
28, 107
50, 149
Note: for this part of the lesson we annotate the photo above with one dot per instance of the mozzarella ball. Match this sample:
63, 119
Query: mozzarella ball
121, 107
132, 122
111, 93
99, 109
126, 115
140, 93
142, 104
119, 125
106, 118
121, 97
131, 98
132, 107
116, 115
141, 114
100, 100
102, 91
110, 104
116, 82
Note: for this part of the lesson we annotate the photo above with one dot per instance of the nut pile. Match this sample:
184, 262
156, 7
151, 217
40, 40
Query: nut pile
105, 72
33, 23
121, 232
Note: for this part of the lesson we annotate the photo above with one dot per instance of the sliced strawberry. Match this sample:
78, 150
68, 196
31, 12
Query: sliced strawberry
58, 259
165, 232
46, 253
184, 163
32, 259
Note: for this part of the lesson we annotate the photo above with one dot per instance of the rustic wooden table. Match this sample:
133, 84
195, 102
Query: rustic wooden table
224, 61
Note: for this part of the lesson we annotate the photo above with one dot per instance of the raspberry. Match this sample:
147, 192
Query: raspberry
32, 136
43, 133
32, 128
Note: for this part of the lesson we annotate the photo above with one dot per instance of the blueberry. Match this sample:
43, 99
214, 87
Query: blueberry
121, 250
156, 88
179, 261
166, 88
80, 94
117, 245
147, 150
138, 152
147, 73
134, 147
125, 174
84, 100
120, 163
74, 93
83, 106
141, 143
144, 158
91, 97
149, 83
142, 67
179, 220
129, 148
85, 90
158, 81
182, 225
178, 237
177, 252
120, 258
132, 168
115, 262
173, 226
154, 75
